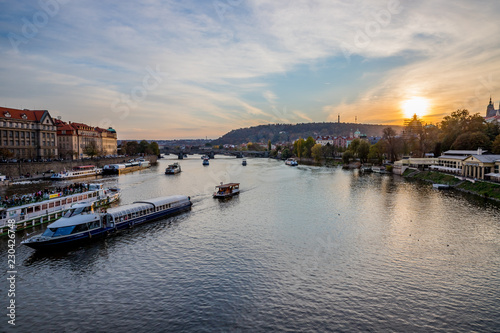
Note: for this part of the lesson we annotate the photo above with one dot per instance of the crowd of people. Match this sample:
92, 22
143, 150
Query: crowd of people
18, 200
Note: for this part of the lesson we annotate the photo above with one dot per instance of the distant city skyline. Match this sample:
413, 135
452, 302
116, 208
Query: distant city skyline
195, 69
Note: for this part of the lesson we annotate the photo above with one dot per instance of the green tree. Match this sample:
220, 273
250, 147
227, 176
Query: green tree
363, 151
460, 122
317, 152
132, 147
353, 146
308, 146
495, 147
153, 146
268, 145
286, 153
5, 153
347, 156
376, 154
144, 147
91, 149
298, 147
471, 141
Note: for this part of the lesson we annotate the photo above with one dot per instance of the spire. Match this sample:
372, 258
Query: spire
490, 101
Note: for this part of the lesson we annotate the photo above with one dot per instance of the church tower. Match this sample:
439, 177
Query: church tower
490, 111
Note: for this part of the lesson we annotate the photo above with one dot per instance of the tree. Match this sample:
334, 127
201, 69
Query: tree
153, 146
495, 147
363, 151
317, 152
391, 143
91, 149
460, 122
269, 145
376, 154
131, 147
298, 147
5, 153
346, 156
286, 153
308, 146
353, 146
471, 141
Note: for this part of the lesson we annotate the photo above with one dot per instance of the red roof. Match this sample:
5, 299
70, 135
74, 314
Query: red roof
31, 115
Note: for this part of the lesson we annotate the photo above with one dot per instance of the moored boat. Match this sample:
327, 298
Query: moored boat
53, 205
226, 190
81, 223
77, 172
206, 162
244, 162
172, 169
120, 168
291, 162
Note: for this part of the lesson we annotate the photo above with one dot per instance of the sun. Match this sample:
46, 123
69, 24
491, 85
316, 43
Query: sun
415, 105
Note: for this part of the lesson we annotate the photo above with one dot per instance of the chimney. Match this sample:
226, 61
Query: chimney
479, 151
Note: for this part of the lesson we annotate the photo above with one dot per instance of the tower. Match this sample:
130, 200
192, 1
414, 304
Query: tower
490, 110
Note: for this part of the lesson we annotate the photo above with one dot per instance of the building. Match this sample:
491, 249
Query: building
452, 161
491, 113
28, 134
75, 138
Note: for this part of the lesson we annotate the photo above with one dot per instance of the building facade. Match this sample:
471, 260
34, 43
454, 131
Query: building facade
75, 140
491, 113
28, 134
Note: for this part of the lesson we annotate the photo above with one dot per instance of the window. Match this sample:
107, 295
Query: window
51, 205
63, 231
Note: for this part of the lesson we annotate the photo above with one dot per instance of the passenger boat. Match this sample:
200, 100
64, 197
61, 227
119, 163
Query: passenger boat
291, 162
172, 169
54, 205
206, 162
81, 223
441, 186
77, 172
205, 157
244, 162
120, 168
226, 190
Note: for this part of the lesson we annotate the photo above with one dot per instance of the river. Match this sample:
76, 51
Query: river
301, 249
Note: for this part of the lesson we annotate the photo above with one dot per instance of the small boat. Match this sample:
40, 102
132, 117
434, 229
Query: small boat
77, 172
244, 162
172, 169
441, 186
81, 223
226, 190
206, 162
205, 157
291, 162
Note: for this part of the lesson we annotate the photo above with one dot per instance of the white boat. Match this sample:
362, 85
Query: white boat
54, 205
172, 169
226, 190
77, 172
81, 223
291, 162
132, 165
206, 162
204, 157
441, 186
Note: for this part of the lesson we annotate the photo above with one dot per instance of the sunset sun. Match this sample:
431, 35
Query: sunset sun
415, 105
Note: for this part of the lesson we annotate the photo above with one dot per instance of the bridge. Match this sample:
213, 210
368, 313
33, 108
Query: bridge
212, 152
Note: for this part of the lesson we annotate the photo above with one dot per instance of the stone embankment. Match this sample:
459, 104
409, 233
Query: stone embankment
16, 170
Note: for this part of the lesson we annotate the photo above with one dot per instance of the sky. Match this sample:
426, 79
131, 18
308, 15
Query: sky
193, 69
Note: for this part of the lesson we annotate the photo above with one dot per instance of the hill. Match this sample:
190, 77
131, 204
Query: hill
289, 132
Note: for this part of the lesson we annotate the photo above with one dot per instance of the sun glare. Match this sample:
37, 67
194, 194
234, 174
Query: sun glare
415, 105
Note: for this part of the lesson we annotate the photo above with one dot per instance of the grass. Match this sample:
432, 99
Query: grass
435, 177
482, 188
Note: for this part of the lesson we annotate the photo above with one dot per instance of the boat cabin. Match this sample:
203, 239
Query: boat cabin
226, 190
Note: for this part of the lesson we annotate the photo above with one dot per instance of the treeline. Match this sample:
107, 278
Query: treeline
291, 132
143, 147
458, 131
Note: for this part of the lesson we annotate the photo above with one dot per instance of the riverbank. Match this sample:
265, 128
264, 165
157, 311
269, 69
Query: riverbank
15, 171
482, 189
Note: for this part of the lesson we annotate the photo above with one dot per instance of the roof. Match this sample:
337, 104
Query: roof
462, 152
74, 220
227, 185
30, 115
486, 158
164, 200
453, 157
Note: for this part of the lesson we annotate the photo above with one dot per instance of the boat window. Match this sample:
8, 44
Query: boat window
37, 208
30, 210
63, 231
80, 228
94, 224
58, 203
44, 206
49, 232
84, 196
63, 201
51, 205
79, 197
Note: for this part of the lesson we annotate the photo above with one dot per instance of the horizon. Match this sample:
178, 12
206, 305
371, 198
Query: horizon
178, 70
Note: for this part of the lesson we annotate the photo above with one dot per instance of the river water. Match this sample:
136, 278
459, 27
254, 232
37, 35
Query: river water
301, 249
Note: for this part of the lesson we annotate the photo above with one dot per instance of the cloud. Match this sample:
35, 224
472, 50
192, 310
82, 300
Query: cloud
249, 63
